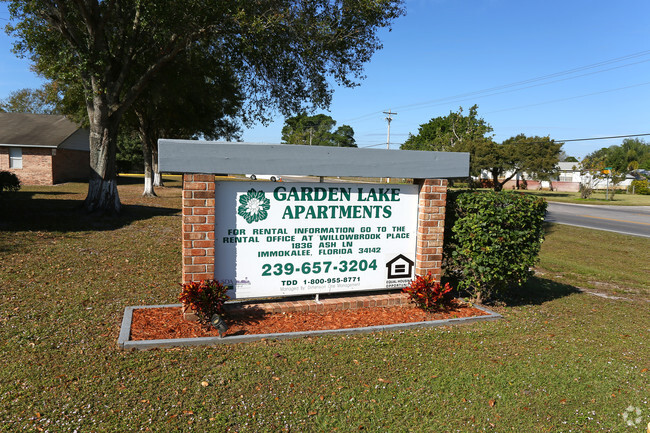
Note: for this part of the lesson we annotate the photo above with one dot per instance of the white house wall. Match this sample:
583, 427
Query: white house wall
79, 140
573, 176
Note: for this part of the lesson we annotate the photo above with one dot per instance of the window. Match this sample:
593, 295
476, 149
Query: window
15, 157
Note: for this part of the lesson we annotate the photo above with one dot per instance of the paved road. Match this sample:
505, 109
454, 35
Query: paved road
630, 220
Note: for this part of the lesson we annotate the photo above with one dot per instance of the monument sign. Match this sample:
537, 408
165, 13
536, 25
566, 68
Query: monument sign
268, 239
305, 238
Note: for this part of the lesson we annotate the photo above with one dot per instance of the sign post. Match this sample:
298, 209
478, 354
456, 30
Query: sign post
607, 172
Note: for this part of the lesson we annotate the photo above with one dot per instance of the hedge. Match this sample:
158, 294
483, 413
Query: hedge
492, 240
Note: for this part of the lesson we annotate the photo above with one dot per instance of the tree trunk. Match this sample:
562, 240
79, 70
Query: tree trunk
495, 181
149, 138
102, 185
498, 186
148, 167
157, 177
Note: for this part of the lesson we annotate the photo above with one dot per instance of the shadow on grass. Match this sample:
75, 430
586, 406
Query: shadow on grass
22, 213
139, 180
130, 180
27, 195
549, 228
537, 291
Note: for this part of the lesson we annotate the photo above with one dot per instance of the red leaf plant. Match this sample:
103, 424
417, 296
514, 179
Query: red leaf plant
205, 298
428, 294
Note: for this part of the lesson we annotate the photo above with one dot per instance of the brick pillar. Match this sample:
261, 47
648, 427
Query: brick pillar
431, 226
198, 227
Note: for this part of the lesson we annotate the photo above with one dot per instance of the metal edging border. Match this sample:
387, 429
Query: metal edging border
125, 343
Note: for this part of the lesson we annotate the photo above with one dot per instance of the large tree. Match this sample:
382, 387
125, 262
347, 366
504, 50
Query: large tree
196, 97
521, 155
316, 131
611, 164
282, 53
344, 136
455, 132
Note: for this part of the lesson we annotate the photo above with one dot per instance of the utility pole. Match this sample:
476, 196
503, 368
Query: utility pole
388, 119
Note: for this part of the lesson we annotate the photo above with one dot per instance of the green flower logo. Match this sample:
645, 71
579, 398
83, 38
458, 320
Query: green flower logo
253, 206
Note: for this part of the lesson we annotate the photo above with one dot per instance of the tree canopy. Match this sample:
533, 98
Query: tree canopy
450, 133
632, 154
455, 132
196, 97
316, 131
534, 156
36, 101
281, 54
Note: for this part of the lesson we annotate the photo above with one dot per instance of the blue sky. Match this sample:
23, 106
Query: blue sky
569, 69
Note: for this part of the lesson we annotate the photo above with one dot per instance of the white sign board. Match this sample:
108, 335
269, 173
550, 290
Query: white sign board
275, 239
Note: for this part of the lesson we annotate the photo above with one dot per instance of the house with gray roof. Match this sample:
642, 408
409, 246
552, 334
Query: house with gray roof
43, 149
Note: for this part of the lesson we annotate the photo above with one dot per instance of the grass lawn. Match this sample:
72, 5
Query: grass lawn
561, 360
598, 197
593, 259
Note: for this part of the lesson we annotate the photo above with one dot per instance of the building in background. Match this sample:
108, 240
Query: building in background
43, 149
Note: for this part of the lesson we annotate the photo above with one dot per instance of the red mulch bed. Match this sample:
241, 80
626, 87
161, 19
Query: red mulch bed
168, 322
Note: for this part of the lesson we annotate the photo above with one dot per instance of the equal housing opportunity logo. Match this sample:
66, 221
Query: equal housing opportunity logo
253, 206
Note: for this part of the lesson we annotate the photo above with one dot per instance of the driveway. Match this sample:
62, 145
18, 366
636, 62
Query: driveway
629, 220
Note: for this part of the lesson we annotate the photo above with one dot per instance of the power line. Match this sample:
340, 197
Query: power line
569, 98
605, 138
456, 98
557, 141
564, 99
421, 105
542, 78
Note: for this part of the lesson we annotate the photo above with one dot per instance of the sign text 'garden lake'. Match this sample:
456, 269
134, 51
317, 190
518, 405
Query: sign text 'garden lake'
276, 239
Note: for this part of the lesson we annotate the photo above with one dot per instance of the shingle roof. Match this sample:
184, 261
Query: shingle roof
568, 166
47, 130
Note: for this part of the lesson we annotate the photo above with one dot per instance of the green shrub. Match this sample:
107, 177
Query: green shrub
585, 190
640, 187
8, 182
492, 240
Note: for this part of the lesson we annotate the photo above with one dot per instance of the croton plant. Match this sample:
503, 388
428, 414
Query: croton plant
205, 298
427, 293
